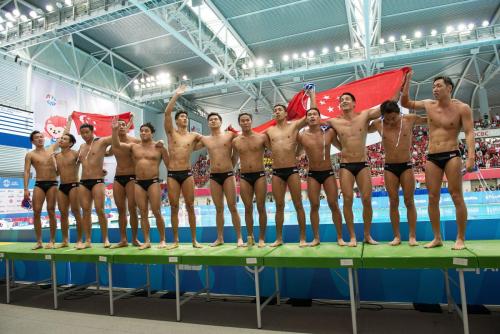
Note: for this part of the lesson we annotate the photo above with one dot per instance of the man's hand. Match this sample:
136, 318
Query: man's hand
470, 164
26, 194
180, 90
159, 144
114, 123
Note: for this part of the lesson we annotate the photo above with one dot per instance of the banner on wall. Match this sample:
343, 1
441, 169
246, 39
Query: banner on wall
15, 126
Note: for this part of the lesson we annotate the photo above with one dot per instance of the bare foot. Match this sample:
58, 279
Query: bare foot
50, 245
88, 244
395, 242
217, 242
79, 245
434, 243
277, 243
145, 246
314, 243
196, 244
459, 245
370, 240
341, 242
120, 244
353, 243
38, 245
250, 241
240, 243
162, 244
303, 243
173, 246
262, 243
413, 242
107, 244
136, 243
63, 245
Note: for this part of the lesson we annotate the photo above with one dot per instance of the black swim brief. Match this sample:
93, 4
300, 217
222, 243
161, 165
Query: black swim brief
221, 177
45, 185
354, 167
398, 168
90, 183
66, 187
442, 158
285, 173
145, 184
180, 175
123, 180
321, 175
251, 178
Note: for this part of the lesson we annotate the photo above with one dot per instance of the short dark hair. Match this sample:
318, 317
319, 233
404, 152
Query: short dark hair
313, 109
88, 126
446, 79
72, 138
347, 93
388, 107
279, 105
148, 125
244, 114
180, 112
33, 134
214, 114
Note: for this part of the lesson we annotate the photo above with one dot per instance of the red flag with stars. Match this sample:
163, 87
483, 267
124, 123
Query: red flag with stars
369, 92
101, 123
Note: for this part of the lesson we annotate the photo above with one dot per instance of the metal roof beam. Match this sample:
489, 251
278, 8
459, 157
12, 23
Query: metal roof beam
53, 27
400, 55
196, 49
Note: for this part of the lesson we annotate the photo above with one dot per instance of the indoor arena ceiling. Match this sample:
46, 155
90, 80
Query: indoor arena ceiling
246, 55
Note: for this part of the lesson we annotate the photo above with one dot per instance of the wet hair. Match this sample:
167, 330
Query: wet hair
446, 79
32, 135
388, 107
180, 112
72, 138
349, 94
279, 105
313, 109
148, 125
88, 126
214, 114
244, 114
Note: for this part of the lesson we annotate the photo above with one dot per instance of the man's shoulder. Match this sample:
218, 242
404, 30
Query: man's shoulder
460, 104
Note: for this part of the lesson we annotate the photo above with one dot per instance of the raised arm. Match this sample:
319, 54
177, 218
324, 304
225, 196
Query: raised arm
115, 140
27, 169
468, 125
405, 97
169, 128
335, 140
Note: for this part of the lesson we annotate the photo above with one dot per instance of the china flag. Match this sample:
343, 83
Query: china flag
369, 92
101, 123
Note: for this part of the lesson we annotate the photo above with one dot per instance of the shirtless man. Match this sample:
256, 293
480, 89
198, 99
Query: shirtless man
351, 129
222, 181
42, 159
250, 148
124, 187
147, 157
181, 143
316, 142
446, 117
283, 142
91, 156
396, 130
67, 196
